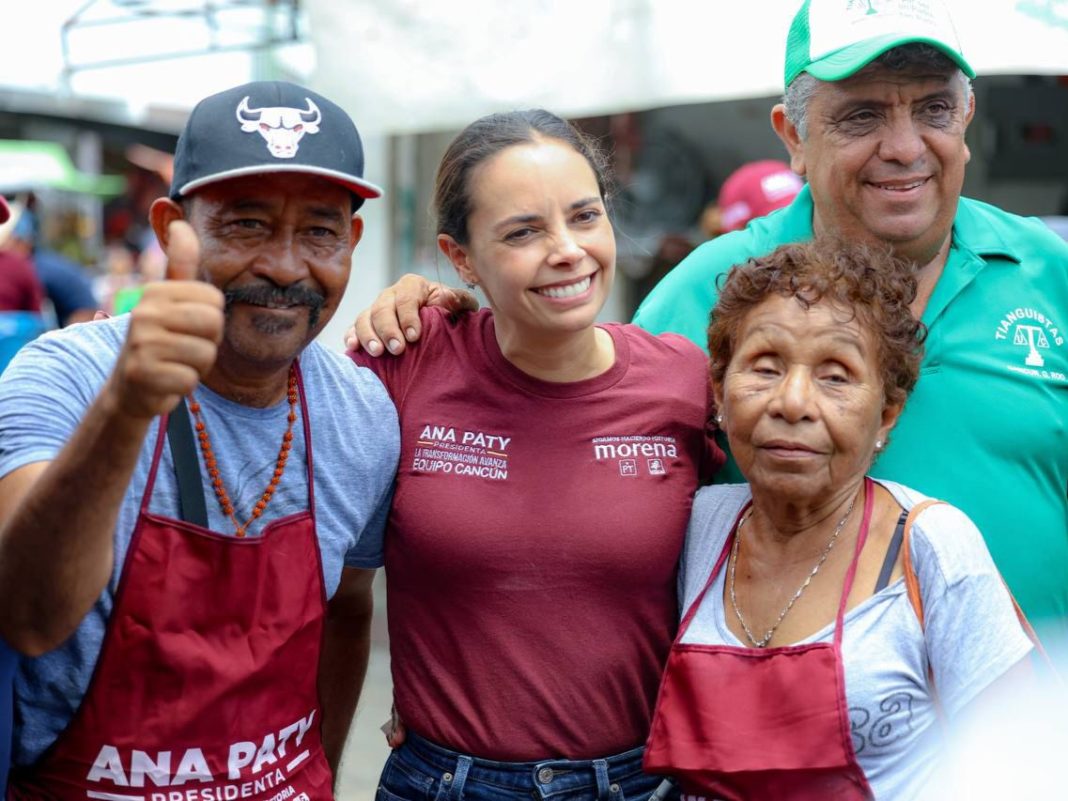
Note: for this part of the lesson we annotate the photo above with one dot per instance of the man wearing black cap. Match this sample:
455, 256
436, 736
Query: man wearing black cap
190, 588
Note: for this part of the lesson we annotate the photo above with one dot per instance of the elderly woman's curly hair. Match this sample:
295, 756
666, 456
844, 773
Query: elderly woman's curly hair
871, 283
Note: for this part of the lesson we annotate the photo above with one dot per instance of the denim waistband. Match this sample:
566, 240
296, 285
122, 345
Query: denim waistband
547, 777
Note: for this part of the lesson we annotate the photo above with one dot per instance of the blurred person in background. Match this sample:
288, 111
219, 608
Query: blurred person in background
20, 289
119, 286
132, 256
21, 293
66, 284
753, 190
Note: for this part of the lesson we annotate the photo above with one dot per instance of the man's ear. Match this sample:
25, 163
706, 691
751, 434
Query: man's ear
161, 214
457, 254
357, 230
787, 132
971, 109
967, 121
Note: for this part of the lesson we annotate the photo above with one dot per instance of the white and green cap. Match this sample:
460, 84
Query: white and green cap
833, 39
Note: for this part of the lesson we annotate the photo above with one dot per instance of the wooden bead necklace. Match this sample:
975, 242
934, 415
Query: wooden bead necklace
211, 463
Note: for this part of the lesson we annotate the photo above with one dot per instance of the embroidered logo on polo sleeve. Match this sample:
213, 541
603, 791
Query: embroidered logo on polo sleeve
1034, 336
281, 126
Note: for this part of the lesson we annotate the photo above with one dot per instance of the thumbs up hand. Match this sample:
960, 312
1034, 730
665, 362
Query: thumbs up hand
174, 333
183, 252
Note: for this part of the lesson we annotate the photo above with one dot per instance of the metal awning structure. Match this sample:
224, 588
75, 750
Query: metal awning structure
423, 65
198, 28
27, 166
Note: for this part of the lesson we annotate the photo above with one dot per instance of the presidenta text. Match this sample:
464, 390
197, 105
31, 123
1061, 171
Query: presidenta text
252, 768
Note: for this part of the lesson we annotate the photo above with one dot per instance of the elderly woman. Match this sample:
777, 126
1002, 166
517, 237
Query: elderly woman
802, 669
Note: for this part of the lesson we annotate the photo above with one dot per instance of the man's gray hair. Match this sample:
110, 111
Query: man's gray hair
914, 55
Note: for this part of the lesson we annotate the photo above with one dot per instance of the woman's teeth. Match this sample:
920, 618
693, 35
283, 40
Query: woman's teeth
568, 291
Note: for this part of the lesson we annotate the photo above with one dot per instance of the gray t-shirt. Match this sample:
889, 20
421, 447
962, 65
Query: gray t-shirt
970, 638
44, 393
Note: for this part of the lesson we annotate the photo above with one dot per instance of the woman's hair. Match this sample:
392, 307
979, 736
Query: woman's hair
870, 282
485, 138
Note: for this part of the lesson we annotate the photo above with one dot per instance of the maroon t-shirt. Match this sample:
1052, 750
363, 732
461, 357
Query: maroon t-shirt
532, 546
19, 288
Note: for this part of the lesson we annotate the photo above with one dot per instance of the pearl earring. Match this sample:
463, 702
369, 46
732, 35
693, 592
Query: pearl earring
878, 445
719, 420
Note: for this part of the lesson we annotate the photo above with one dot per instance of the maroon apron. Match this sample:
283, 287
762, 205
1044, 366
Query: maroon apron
748, 724
205, 688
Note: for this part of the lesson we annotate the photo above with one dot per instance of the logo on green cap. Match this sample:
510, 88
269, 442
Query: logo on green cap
833, 39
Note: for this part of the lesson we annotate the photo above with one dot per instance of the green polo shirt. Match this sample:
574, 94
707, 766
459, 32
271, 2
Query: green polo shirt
986, 428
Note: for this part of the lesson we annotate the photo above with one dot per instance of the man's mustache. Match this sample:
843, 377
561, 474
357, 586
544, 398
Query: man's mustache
268, 295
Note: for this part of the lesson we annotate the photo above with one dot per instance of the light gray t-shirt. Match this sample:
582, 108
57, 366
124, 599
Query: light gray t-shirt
970, 638
44, 393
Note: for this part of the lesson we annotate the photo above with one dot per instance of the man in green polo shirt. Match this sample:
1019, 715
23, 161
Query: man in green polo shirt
876, 106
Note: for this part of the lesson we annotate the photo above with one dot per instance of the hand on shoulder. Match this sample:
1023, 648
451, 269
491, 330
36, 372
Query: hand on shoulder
393, 317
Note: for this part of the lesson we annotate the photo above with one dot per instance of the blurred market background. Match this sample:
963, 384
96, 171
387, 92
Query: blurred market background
93, 94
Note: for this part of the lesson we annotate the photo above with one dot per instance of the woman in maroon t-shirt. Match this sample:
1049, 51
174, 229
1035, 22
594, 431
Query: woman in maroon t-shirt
547, 469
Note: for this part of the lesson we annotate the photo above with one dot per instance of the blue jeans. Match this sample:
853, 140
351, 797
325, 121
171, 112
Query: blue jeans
421, 771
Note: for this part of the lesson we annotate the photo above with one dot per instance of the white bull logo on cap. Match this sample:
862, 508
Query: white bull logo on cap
281, 126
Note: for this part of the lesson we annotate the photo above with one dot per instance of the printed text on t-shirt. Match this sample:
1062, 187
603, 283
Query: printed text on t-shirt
452, 451
636, 454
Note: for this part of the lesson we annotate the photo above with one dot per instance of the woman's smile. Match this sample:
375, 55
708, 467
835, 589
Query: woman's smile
577, 288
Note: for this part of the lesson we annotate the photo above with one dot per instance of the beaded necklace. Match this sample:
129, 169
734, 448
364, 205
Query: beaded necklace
211, 462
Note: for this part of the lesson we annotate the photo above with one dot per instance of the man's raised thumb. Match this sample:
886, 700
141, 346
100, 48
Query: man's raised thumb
183, 251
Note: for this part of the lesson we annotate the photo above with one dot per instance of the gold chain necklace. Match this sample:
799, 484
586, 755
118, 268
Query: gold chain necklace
763, 641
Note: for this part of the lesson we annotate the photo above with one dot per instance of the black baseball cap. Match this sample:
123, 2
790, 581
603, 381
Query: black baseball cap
269, 126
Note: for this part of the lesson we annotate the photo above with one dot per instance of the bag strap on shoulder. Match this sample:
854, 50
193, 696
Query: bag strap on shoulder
912, 584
